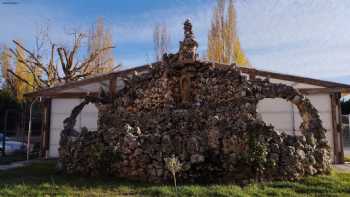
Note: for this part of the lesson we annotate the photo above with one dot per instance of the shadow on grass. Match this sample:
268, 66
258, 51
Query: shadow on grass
14, 157
4, 160
41, 179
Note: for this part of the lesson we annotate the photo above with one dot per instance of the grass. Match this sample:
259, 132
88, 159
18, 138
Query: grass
40, 179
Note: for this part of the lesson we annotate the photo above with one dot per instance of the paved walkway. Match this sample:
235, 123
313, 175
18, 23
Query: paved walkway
343, 167
17, 164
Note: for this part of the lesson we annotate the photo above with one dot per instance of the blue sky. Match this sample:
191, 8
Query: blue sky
307, 38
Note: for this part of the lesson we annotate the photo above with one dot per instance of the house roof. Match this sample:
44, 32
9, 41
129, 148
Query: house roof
328, 86
288, 77
95, 78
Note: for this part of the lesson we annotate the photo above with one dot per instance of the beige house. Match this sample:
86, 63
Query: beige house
324, 95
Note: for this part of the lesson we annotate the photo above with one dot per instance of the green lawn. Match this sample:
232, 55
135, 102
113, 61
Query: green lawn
41, 180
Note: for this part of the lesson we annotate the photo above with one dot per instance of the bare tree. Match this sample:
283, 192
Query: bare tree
68, 67
161, 39
49, 63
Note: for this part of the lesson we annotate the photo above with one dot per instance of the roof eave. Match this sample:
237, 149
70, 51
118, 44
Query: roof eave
329, 86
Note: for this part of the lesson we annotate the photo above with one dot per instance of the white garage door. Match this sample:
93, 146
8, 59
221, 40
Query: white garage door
61, 109
285, 117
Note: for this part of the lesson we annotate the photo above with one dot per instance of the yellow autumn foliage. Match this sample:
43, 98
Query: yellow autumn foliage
223, 42
22, 71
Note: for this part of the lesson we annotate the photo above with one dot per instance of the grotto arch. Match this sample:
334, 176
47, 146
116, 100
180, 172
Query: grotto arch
295, 155
311, 122
281, 114
185, 88
217, 136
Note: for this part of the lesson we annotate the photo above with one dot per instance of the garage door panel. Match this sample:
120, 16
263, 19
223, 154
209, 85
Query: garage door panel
89, 120
90, 108
53, 150
279, 120
326, 119
55, 136
274, 105
329, 136
57, 121
321, 102
64, 105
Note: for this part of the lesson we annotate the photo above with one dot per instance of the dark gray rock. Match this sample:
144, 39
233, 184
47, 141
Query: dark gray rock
205, 114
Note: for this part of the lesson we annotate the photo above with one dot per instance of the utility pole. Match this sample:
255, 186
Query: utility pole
30, 125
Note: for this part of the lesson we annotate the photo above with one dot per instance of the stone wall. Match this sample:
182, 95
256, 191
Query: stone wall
205, 115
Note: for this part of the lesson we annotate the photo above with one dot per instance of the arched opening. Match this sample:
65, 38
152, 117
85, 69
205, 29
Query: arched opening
185, 88
281, 114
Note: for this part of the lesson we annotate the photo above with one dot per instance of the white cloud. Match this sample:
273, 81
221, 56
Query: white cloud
299, 37
308, 38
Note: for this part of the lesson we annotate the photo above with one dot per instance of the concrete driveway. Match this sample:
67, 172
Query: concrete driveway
347, 151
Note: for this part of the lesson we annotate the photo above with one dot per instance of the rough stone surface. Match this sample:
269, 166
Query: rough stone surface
205, 114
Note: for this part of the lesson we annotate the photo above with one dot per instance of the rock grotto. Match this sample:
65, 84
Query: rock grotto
205, 114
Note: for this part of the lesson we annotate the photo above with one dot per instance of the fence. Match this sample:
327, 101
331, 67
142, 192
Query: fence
346, 130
